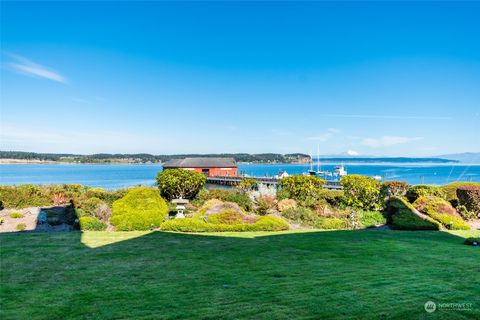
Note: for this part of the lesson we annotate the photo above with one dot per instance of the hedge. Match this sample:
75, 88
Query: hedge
451, 190
141, 208
450, 222
469, 196
266, 223
91, 224
405, 217
330, 223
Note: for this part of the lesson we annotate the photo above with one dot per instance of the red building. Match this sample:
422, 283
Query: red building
211, 167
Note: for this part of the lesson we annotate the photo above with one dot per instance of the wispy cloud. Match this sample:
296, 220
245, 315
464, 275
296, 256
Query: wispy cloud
27, 67
386, 141
373, 116
18, 137
325, 136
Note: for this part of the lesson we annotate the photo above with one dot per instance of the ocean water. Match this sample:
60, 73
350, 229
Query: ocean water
114, 176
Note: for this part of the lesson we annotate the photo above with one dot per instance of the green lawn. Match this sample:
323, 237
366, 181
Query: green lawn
368, 274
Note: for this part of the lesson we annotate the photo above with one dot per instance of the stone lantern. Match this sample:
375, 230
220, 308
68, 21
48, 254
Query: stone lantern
180, 207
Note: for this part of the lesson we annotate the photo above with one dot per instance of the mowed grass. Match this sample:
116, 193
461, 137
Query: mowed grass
369, 274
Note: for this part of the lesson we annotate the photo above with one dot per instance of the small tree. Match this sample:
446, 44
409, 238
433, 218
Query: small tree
361, 191
176, 183
302, 187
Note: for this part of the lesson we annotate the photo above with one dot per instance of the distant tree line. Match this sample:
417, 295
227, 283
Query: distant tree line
149, 158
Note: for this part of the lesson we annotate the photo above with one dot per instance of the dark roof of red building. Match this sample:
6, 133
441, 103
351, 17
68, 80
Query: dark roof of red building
201, 163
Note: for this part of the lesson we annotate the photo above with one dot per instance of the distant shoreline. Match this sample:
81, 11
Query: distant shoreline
325, 162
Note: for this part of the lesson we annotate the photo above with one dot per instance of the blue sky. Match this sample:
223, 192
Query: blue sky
398, 79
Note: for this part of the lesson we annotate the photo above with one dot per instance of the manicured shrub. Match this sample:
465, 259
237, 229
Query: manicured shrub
16, 215
285, 204
330, 223
226, 217
301, 187
21, 226
434, 205
269, 223
403, 215
451, 190
472, 241
141, 208
369, 219
450, 222
91, 224
266, 223
1, 221
361, 191
180, 183
469, 196
394, 188
189, 225
414, 192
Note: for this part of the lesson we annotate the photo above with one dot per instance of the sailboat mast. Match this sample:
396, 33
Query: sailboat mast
318, 158
311, 161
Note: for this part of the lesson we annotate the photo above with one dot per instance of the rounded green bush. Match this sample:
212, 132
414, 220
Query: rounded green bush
330, 223
361, 191
16, 215
226, 217
269, 223
404, 216
91, 224
141, 208
176, 183
371, 218
450, 222
431, 204
20, 226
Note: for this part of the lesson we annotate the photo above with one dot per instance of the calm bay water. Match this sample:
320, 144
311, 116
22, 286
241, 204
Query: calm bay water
114, 176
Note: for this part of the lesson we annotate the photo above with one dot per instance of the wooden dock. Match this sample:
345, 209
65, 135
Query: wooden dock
268, 181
